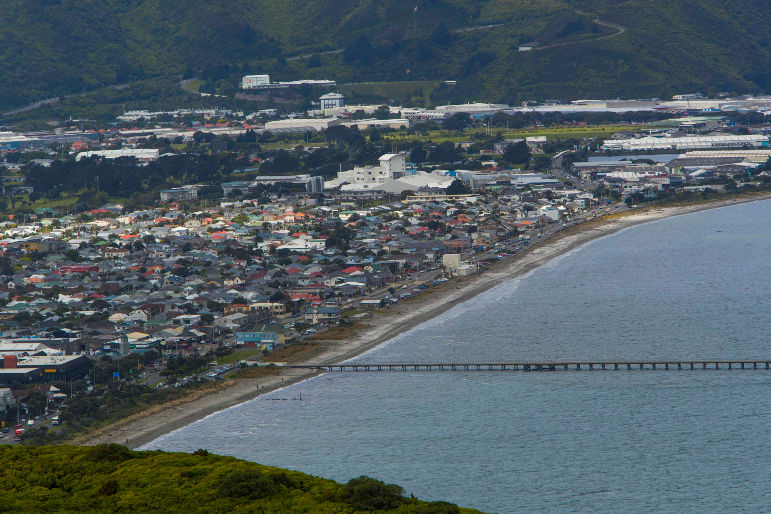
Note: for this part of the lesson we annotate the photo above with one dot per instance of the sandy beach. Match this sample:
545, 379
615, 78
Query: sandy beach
384, 325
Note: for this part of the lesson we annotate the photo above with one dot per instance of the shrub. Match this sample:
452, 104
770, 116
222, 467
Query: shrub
365, 493
439, 508
250, 484
109, 488
110, 452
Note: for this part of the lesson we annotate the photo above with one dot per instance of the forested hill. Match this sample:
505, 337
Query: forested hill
584, 48
110, 478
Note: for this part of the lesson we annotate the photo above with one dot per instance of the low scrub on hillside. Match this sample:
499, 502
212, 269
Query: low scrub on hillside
113, 478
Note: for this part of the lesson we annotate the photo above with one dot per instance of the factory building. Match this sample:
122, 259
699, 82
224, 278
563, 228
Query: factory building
647, 143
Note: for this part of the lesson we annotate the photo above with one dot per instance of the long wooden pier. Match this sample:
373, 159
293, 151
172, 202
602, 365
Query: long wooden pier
666, 365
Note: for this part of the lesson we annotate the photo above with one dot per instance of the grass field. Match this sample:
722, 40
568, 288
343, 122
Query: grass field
238, 355
440, 136
193, 85
418, 90
563, 132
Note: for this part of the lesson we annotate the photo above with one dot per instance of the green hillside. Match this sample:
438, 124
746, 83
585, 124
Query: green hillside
111, 478
634, 48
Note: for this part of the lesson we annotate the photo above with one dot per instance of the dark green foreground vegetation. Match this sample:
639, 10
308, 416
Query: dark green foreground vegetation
111, 477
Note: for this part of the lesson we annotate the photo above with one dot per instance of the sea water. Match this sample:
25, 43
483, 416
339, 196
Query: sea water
690, 287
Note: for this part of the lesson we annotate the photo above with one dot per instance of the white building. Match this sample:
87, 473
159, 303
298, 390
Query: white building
689, 96
475, 109
549, 211
254, 81
395, 164
395, 124
392, 166
302, 124
687, 143
140, 154
331, 101
363, 176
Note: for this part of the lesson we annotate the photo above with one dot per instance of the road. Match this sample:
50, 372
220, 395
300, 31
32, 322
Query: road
308, 56
619, 30
49, 101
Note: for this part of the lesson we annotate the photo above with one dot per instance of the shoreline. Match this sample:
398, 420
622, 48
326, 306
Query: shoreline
384, 325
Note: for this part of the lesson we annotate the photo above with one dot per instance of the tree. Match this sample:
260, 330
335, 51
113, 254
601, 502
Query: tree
457, 187
360, 51
366, 493
541, 162
441, 36
382, 112
457, 121
251, 484
418, 153
314, 61
444, 152
203, 137
36, 403
283, 162
517, 153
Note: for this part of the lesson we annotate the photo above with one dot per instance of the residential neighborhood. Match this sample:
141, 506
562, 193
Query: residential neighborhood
257, 256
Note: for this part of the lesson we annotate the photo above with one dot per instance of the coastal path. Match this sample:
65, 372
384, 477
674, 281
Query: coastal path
658, 365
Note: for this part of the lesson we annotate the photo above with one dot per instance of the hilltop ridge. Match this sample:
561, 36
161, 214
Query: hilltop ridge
581, 48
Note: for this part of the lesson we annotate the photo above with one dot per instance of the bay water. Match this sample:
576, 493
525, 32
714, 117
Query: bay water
689, 287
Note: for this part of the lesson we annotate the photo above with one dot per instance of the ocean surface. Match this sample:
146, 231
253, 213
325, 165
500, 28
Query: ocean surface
694, 286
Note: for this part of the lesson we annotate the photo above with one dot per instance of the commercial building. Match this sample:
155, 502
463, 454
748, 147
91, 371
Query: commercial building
180, 194
313, 184
7, 402
255, 81
140, 154
26, 369
687, 143
331, 101
395, 164
263, 82
22, 375
396, 124
44, 245
57, 367
302, 124
267, 339
392, 166
476, 109
759, 156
